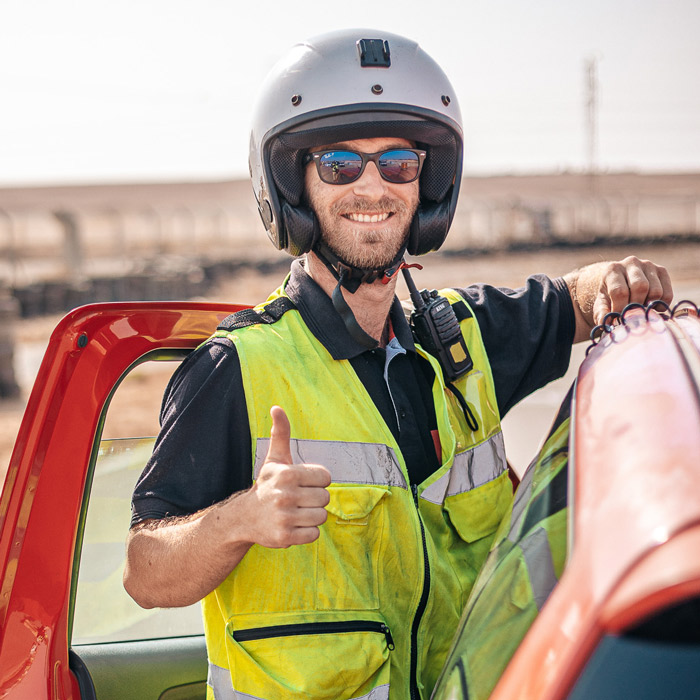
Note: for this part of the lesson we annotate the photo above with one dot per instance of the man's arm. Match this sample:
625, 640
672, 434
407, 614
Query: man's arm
177, 561
609, 286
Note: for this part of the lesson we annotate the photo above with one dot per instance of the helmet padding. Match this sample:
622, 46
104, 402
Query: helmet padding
288, 149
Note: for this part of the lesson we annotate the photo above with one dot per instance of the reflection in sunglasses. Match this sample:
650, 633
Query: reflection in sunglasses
343, 167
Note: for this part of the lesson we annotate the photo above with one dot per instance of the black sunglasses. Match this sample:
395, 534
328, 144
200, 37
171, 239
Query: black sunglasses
397, 165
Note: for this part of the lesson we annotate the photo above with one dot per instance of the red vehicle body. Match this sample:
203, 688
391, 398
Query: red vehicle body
634, 520
89, 352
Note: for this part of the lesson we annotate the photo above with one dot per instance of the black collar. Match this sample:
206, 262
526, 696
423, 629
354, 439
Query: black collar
317, 311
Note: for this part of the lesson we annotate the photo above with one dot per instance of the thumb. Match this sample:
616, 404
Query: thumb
601, 306
280, 450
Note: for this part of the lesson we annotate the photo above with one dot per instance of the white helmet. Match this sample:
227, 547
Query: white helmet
346, 85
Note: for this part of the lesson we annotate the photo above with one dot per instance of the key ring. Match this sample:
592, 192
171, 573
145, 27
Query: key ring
685, 307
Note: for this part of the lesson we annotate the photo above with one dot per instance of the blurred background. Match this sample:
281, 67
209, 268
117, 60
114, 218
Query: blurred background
124, 142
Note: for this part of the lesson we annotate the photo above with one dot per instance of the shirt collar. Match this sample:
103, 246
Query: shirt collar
317, 312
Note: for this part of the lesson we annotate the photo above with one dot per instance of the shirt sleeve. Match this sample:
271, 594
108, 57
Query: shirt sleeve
203, 451
528, 334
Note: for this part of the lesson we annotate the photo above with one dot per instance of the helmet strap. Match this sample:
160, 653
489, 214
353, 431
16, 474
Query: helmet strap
350, 278
354, 276
345, 312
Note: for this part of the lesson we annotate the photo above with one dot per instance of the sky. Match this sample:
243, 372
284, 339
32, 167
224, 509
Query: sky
100, 91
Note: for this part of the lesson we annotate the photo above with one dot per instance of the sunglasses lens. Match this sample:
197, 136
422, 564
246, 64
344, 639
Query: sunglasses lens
339, 167
343, 167
399, 166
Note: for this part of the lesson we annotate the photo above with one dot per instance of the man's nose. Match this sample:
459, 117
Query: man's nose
370, 183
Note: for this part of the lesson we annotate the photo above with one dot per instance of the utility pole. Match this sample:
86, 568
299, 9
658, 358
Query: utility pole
591, 118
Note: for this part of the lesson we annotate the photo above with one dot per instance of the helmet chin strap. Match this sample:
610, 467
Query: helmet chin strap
351, 277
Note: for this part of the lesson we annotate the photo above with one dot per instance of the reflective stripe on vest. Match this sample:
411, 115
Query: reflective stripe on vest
471, 469
219, 680
348, 462
540, 566
520, 504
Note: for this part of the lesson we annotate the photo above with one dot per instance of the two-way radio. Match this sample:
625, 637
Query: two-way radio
436, 328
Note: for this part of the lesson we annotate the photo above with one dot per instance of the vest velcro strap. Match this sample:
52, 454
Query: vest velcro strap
461, 310
250, 317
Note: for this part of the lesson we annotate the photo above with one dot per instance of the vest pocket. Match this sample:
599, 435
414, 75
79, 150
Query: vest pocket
477, 513
309, 655
349, 548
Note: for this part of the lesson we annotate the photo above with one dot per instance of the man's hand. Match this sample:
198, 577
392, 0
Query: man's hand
604, 287
177, 561
291, 498
631, 280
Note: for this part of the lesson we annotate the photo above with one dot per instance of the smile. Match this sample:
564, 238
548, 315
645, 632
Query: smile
368, 218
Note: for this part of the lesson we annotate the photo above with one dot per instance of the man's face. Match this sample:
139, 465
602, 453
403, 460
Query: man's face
366, 221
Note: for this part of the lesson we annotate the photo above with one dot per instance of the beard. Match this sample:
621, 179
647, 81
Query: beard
360, 246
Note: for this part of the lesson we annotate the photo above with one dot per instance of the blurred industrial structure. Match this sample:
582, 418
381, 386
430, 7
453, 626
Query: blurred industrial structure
64, 246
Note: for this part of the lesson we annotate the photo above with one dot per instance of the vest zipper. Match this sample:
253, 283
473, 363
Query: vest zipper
314, 628
415, 693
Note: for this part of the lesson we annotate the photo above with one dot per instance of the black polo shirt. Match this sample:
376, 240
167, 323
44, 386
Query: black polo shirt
203, 452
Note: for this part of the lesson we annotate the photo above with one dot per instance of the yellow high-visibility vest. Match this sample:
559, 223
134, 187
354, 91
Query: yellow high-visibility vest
370, 608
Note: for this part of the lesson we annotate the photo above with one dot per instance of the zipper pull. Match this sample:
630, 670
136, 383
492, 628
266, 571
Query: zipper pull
414, 491
389, 638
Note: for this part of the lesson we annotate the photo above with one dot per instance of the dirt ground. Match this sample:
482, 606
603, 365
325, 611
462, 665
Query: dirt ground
143, 393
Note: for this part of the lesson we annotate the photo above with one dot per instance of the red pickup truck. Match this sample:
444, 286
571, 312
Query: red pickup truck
621, 475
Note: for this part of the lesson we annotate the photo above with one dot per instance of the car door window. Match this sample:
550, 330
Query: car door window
103, 611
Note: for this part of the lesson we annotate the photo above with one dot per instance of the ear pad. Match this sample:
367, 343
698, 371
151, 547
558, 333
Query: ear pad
301, 228
429, 227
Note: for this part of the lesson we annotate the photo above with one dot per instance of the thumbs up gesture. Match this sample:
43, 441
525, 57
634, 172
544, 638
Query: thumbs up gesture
291, 497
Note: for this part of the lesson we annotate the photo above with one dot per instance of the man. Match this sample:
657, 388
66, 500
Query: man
321, 481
